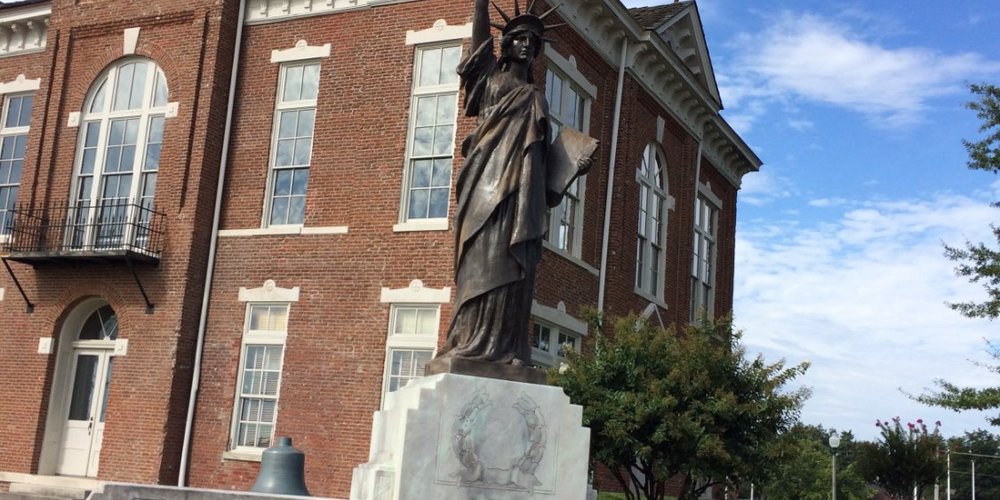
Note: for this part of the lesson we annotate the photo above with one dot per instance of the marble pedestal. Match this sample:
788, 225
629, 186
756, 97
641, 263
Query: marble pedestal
457, 437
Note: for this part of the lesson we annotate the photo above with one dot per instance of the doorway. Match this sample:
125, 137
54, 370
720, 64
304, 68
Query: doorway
79, 403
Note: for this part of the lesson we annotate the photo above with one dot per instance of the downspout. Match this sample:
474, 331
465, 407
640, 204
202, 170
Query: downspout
615, 126
213, 245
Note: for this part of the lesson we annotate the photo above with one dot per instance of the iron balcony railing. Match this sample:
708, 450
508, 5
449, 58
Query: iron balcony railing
108, 229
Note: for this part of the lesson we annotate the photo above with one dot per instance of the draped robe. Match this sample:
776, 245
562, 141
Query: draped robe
503, 190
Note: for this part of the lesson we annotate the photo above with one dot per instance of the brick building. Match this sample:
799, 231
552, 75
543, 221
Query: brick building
223, 221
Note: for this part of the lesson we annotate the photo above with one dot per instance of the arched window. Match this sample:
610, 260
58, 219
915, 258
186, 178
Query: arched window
653, 205
118, 156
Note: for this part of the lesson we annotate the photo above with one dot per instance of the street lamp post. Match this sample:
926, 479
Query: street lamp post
834, 443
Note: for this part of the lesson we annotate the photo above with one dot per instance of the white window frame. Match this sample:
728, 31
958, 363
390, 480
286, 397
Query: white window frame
704, 243
558, 322
571, 79
416, 295
647, 283
406, 222
254, 338
282, 106
89, 204
269, 294
421, 341
18, 131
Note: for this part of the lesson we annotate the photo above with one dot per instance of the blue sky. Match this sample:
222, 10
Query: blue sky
857, 110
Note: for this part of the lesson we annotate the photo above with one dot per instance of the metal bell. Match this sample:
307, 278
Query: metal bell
282, 470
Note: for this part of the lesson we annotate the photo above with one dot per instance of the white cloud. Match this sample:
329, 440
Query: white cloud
765, 187
863, 297
805, 56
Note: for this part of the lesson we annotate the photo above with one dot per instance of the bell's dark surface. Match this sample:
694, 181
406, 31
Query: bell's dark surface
282, 470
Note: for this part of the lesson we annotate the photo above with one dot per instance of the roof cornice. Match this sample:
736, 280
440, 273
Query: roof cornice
606, 23
24, 29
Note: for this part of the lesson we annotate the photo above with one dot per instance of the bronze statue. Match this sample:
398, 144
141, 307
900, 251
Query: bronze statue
513, 170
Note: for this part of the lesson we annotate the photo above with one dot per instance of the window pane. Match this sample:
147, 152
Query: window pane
269, 317
566, 341
303, 152
449, 63
287, 122
293, 84
406, 365
13, 112
438, 207
310, 81
98, 103
406, 321
422, 138
83, 387
160, 96
419, 204
430, 67
422, 173
25, 116
123, 86
426, 110
304, 126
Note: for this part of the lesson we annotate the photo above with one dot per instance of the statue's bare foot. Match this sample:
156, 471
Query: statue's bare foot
517, 362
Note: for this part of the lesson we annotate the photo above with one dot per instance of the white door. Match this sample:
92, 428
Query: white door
84, 428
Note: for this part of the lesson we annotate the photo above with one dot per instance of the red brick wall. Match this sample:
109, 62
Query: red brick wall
150, 384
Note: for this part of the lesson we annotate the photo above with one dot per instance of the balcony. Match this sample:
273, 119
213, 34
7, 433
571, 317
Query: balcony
104, 232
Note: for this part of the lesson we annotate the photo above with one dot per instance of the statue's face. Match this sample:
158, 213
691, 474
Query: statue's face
523, 47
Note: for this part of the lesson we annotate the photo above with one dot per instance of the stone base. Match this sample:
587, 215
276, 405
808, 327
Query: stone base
488, 369
456, 437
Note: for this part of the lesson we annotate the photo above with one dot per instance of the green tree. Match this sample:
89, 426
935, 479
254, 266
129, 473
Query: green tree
977, 261
661, 405
986, 445
904, 458
803, 466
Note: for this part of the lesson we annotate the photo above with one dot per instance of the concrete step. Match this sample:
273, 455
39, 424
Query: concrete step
37, 491
4, 495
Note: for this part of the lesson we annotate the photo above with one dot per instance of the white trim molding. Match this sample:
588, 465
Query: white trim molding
300, 52
266, 11
558, 316
269, 292
24, 30
20, 84
421, 225
282, 231
439, 32
44, 345
416, 293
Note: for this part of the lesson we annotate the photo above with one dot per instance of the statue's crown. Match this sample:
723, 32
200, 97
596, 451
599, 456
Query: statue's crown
525, 21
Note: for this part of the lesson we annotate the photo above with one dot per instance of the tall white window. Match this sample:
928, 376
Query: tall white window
292, 144
413, 334
259, 380
653, 205
14, 122
431, 137
568, 106
706, 221
118, 155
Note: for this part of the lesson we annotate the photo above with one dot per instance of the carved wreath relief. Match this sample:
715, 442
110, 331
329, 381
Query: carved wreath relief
489, 458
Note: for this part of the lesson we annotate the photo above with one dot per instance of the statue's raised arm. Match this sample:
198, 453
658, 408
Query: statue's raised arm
480, 23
